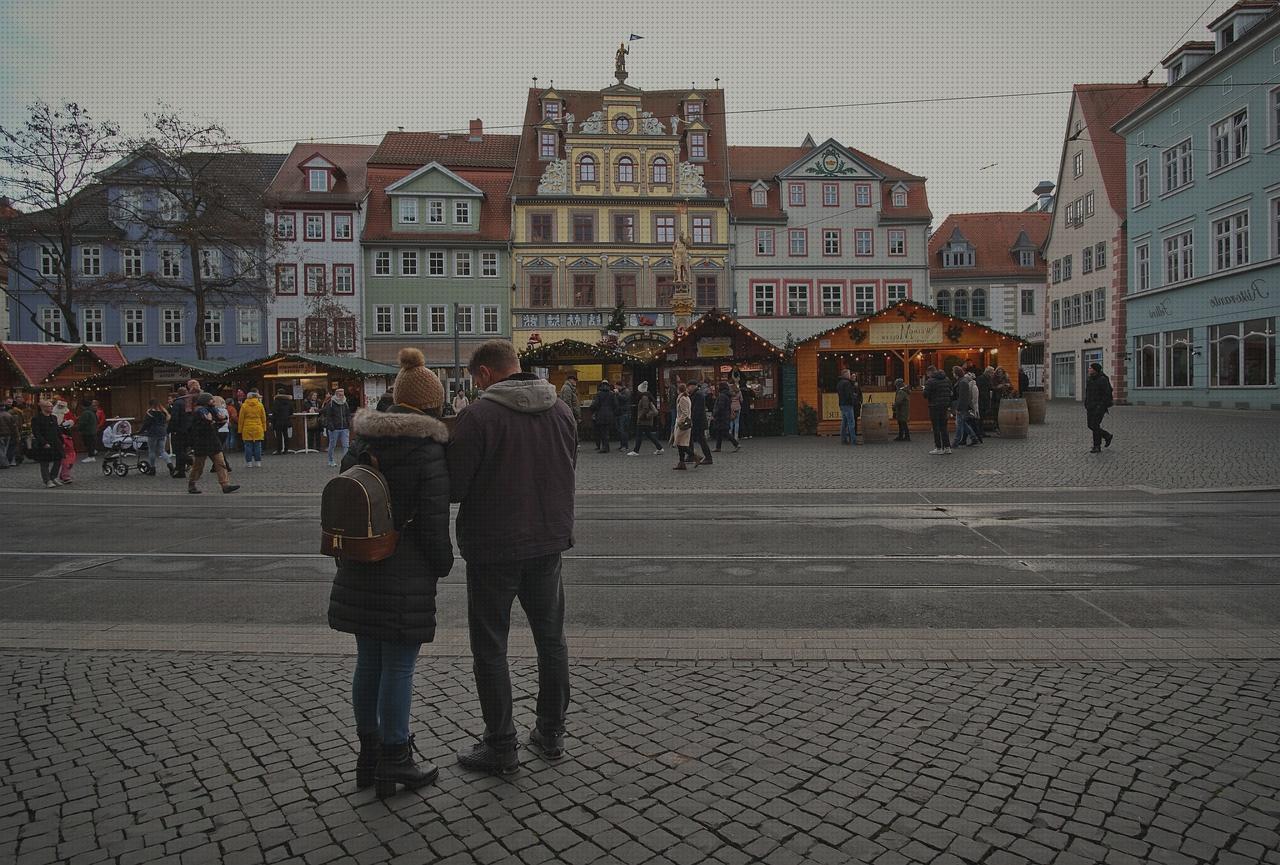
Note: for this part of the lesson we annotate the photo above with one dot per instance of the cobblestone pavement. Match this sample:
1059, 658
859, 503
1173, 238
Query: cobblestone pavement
183, 758
1157, 447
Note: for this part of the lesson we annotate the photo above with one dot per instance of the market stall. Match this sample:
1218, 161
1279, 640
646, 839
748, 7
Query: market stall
35, 368
592, 362
900, 341
718, 347
127, 390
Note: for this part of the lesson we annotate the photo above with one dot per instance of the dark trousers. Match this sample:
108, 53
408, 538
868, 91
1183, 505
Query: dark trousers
282, 440
602, 436
89, 449
1095, 416
698, 438
48, 471
902, 431
938, 419
722, 433
624, 423
491, 588
744, 423
181, 459
646, 433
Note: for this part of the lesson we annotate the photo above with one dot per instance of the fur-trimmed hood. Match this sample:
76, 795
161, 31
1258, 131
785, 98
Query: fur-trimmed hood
397, 422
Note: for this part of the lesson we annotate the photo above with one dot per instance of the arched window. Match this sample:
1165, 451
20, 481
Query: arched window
587, 169
626, 170
943, 300
978, 303
660, 170
961, 303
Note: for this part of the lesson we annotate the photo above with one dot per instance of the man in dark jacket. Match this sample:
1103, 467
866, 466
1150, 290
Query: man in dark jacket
748, 399
281, 420
511, 465
937, 393
622, 394
205, 444
1097, 399
846, 395
603, 415
698, 415
10, 430
87, 426
722, 416
336, 417
179, 430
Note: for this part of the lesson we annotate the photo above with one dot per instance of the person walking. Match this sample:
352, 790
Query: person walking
222, 417
937, 394
968, 420
155, 428
673, 396
10, 430
336, 417
24, 412
1001, 389
682, 434
389, 606
232, 405
698, 414
646, 419
511, 466
983, 380
902, 410
722, 418
87, 426
252, 426
1024, 382
569, 396
745, 417
1097, 401
845, 396
46, 444
68, 451
180, 429
281, 420
205, 444
735, 404
622, 394
460, 401
603, 416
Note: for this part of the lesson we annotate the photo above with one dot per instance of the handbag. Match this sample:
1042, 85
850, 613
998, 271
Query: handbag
684, 423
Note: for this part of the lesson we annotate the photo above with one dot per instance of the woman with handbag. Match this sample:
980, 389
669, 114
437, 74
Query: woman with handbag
682, 437
46, 444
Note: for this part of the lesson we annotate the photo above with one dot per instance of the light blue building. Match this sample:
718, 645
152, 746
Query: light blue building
1203, 168
130, 276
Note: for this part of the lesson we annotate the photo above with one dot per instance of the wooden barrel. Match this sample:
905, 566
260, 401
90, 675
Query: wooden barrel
1037, 403
874, 425
1013, 418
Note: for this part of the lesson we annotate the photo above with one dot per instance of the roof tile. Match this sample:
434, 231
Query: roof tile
992, 236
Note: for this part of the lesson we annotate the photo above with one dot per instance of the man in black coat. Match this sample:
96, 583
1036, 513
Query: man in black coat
282, 419
206, 444
698, 415
180, 429
937, 393
722, 416
1097, 399
604, 414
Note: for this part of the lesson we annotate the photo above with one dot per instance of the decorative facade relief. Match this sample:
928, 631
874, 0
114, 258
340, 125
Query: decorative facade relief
650, 125
689, 179
555, 178
594, 124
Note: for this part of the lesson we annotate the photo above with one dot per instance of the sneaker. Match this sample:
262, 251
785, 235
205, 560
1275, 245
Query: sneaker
1095, 450
257, 464
484, 758
658, 451
632, 454
947, 452
49, 485
936, 452
332, 464
230, 488
89, 460
550, 745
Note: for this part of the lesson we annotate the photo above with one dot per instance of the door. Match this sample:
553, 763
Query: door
1063, 379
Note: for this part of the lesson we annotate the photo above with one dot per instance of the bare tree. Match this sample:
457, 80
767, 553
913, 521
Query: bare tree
47, 166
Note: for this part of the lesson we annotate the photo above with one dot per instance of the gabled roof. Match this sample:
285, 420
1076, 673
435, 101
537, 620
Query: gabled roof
290, 183
902, 309
1103, 105
200, 367
356, 365
715, 317
993, 236
1192, 47
1242, 6
452, 149
742, 210
38, 362
574, 348
832, 144
435, 166
92, 217
495, 210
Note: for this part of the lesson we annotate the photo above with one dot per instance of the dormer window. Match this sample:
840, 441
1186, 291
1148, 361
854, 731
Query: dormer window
957, 256
759, 197
1175, 72
547, 145
693, 110
317, 180
900, 197
697, 145
551, 110
1026, 258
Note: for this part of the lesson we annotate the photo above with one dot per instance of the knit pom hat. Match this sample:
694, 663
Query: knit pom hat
416, 385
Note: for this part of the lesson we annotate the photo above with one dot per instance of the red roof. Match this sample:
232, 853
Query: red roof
451, 149
495, 208
741, 208
1102, 106
992, 236
38, 361
290, 182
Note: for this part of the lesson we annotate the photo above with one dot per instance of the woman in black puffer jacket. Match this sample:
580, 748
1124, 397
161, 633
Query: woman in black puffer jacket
390, 606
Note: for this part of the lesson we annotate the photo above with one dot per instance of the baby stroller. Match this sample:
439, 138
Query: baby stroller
124, 451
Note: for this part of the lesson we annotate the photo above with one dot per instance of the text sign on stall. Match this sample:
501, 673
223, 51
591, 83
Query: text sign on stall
906, 333
715, 346
168, 373
295, 367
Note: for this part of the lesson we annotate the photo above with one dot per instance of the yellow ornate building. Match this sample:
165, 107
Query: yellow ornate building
605, 182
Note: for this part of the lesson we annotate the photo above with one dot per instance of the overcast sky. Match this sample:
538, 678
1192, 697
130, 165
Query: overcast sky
280, 71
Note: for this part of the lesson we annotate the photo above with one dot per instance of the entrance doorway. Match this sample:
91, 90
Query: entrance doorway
1064, 375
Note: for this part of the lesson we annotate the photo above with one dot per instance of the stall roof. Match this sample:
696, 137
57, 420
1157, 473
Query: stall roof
776, 330
203, 367
570, 348
903, 309
713, 317
38, 362
360, 366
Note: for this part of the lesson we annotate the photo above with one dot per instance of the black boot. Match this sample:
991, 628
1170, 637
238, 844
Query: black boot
396, 766
367, 761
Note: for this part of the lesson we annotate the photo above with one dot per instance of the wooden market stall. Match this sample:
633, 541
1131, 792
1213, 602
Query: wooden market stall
717, 347
364, 380
34, 368
593, 363
127, 390
900, 341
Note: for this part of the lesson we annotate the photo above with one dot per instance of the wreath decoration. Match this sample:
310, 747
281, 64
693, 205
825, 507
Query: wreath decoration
955, 332
857, 334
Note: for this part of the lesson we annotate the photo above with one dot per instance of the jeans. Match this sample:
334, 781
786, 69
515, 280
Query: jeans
382, 687
903, 433
733, 426
1095, 416
491, 588
252, 451
964, 429
155, 450
623, 423
938, 420
848, 425
339, 435
646, 432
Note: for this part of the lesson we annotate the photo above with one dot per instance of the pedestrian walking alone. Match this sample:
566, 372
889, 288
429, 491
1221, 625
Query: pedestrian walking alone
569, 396
698, 414
390, 605
722, 418
252, 426
902, 410
206, 445
68, 452
603, 415
1097, 401
155, 429
682, 435
735, 396
646, 419
336, 418
622, 394
46, 444
848, 395
937, 394
179, 430
281, 420
87, 426
511, 466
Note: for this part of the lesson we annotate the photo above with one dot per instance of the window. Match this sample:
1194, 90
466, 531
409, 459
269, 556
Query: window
408, 211
961, 256
798, 299
286, 279
862, 194
943, 302
1077, 164
1177, 166
764, 241
489, 264
462, 264
91, 324
832, 299
1066, 268
1064, 375
344, 334
897, 241
313, 226
797, 241
895, 291
342, 226
540, 289
489, 319
1055, 315
830, 241
899, 198
134, 320
584, 289
171, 263
1141, 184
960, 303
1243, 353
978, 303
658, 170
48, 261
1177, 258
584, 228
171, 325
1077, 309
464, 319
317, 180
437, 321
1231, 240
1099, 304
1176, 348
410, 318
763, 298
1026, 258
168, 206
213, 326
862, 242
210, 263
316, 334
626, 170
1230, 139
1028, 301
1088, 205
1275, 226
408, 262
759, 197
462, 212
624, 290
693, 110
547, 144
382, 263
1274, 101
285, 227
830, 195
435, 212
664, 229
382, 320
702, 229
1146, 358
1086, 260
706, 290
587, 169
344, 279
664, 286
697, 145
1057, 270
1142, 267
1087, 306
624, 228
795, 194
1099, 256
864, 299
287, 334
540, 227
91, 260
248, 326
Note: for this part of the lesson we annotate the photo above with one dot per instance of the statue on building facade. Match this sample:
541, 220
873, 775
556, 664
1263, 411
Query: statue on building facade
620, 62
680, 259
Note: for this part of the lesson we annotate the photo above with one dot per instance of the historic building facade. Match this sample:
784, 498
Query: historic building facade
606, 183
1203, 168
823, 231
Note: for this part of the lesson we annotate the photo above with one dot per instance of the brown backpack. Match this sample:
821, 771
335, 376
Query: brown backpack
355, 516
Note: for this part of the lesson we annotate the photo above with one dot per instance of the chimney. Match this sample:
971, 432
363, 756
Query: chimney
1044, 195
477, 130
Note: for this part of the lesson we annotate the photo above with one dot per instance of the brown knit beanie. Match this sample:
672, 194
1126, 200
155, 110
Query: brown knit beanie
416, 385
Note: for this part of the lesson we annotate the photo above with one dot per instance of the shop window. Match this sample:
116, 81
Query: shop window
1243, 353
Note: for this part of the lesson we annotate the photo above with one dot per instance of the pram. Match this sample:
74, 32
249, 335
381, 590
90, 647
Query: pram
124, 451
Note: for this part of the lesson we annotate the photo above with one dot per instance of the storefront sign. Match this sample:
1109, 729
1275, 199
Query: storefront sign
295, 367
1256, 291
1160, 310
715, 346
906, 333
554, 320
168, 373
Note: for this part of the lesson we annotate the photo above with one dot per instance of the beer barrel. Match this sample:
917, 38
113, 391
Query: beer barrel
875, 422
1013, 418
1037, 403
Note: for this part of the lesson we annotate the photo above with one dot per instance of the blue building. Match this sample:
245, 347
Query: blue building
133, 278
1203, 168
